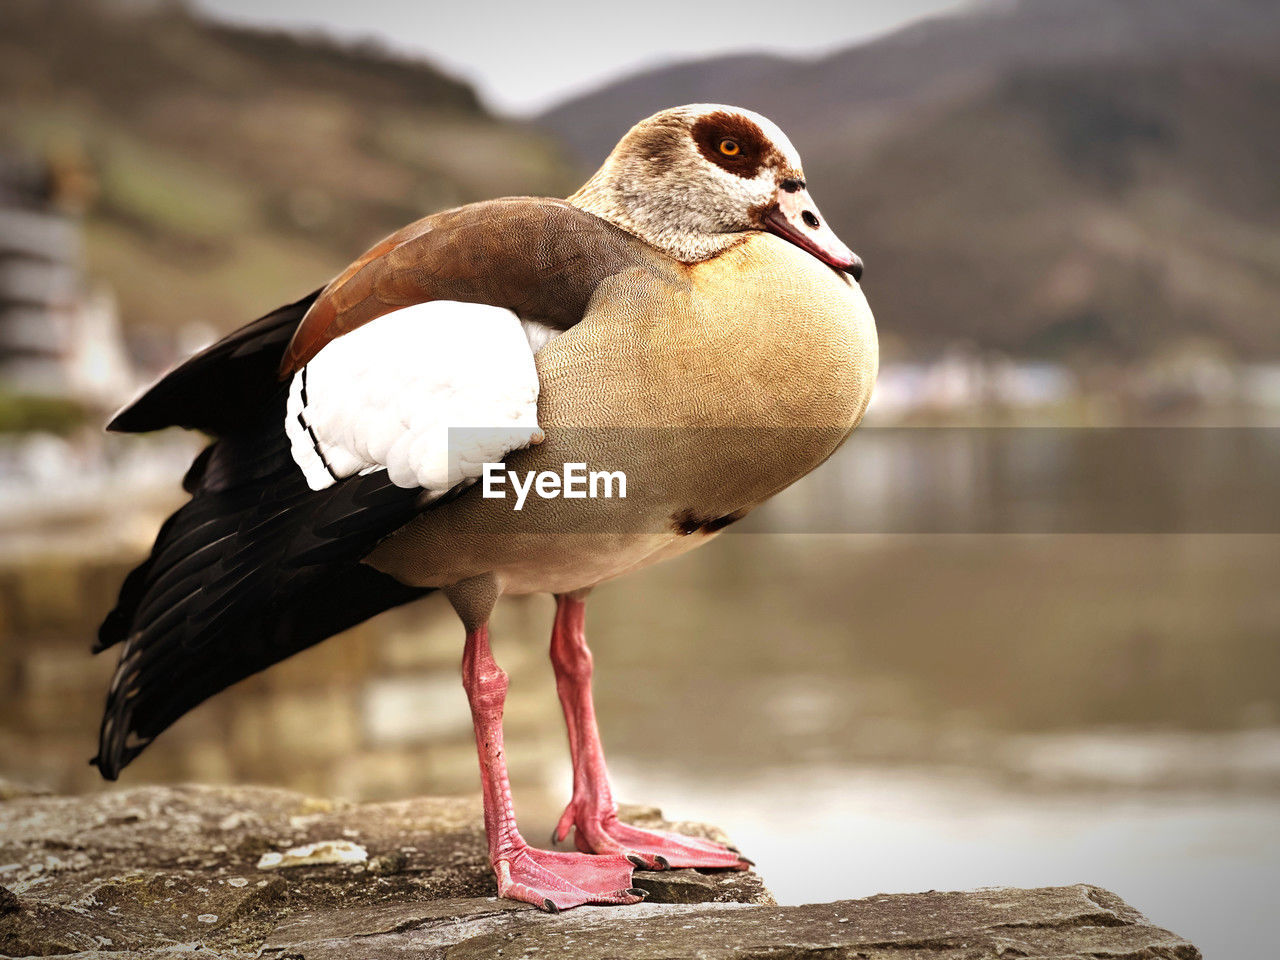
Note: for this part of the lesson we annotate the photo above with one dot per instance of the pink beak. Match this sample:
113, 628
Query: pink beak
795, 218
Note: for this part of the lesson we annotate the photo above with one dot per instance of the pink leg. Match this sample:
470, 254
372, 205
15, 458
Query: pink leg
547, 879
592, 812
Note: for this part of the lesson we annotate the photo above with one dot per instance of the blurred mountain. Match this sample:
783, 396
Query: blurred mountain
236, 169
1046, 177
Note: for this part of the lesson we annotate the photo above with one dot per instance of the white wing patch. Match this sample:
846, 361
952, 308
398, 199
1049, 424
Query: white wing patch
428, 393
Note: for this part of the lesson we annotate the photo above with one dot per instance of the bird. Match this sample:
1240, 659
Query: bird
686, 326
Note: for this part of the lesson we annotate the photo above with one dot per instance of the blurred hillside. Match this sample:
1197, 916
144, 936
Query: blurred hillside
1055, 178
1050, 178
236, 169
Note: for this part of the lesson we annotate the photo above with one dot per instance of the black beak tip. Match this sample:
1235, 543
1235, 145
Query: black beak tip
855, 269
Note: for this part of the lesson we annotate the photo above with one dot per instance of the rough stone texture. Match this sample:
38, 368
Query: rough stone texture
158, 871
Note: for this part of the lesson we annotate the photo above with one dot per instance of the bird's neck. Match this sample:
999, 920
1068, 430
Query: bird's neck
660, 220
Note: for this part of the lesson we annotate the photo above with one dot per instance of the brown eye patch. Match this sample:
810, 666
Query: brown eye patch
733, 142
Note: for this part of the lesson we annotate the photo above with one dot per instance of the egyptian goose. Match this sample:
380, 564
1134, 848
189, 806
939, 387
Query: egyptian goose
686, 321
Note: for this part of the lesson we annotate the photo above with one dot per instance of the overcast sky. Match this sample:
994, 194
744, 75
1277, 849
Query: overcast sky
524, 55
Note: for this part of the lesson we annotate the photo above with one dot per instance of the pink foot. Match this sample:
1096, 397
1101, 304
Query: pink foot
655, 849
554, 881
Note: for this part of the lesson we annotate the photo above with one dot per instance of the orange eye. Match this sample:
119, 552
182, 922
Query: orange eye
729, 147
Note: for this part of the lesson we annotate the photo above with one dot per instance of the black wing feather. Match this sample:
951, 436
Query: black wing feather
223, 386
253, 569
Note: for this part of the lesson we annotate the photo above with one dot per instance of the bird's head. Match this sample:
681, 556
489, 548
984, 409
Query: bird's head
691, 180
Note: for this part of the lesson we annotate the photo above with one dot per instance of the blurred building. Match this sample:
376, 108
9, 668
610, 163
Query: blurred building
60, 336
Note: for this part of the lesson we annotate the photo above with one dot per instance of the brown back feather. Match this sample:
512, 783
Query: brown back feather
539, 257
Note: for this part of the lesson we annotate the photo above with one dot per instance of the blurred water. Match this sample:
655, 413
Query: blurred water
870, 714
1204, 865
884, 712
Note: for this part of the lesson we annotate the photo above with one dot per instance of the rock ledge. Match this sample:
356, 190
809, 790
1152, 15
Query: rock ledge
157, 871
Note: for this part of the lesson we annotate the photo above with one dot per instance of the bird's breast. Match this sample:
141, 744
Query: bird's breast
738, 383
710, 394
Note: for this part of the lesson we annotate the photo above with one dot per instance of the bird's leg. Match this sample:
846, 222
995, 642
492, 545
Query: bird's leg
545, 878
592, 811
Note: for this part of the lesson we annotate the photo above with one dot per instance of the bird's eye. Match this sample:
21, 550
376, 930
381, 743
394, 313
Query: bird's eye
730, 148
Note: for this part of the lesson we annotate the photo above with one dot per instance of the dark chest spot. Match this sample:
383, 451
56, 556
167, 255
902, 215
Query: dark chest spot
688, 522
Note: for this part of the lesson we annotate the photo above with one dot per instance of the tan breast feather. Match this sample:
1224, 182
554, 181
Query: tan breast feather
763, 335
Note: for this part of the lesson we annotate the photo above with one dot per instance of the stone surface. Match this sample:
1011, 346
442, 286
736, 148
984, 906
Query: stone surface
158, 871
